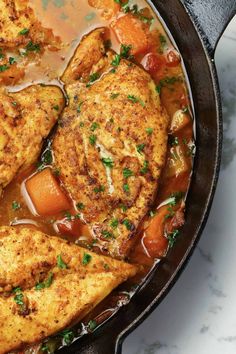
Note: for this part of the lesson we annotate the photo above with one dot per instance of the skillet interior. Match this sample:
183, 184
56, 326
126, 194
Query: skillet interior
203, 81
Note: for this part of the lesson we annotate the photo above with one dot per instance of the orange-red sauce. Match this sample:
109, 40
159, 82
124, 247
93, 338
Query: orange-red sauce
159, 231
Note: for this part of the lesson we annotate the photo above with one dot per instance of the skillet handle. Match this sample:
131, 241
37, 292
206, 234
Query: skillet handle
211, 18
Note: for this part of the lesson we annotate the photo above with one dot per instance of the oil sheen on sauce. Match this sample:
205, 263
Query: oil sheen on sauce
70, 21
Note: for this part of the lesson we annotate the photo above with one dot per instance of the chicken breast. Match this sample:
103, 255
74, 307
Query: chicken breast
111, 144
49, 273
26, 118
19, 26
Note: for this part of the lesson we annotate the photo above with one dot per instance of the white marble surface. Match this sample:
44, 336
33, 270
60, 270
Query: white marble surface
199, 314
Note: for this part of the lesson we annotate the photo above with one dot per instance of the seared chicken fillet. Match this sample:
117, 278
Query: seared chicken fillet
111, 144
50, 284
26, 118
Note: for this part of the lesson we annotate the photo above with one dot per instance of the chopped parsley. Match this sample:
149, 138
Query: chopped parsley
114, 95
126, 188
168, 81
79, 107
3, 68
149, 131
94, 126
99, 189
46, 284
135, 99
93, 77
56, 107
68, 216
108, 162
116, 60
32, 47
125, 51
92, 139
86, 258
15, 205
92, 325
80, 206
46, 158
140, 148
107, 234
128, 224
172, 237
12, 60
173, 141
68, 336
163, 42
114, 223
127, 173
144, 169
60, 263
24, 32
106, 266
19, 297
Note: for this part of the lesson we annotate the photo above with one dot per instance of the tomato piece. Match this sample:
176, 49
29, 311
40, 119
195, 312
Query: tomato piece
173, 58
153, 63
73, 228
46, 194
130, 30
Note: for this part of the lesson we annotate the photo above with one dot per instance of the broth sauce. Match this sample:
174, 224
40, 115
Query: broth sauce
70, 21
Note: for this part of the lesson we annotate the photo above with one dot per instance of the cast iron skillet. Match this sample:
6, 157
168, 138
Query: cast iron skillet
196, 26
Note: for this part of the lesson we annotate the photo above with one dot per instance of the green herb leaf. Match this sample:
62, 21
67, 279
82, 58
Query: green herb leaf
149, 131
80, 206
116, 60
108, 162
135, 99
144, 169
114, 95
126, 188
60, 263
92, 139
56, 107
140, 148
12, 60
68, 336
173, 141
172, 237
46, 284
24, 32
114, 223
99, 189
128, 224
127, 173
92, 325
94, 126
3, 68
15, 205
93, 77
32, 47
107, 234
86, 259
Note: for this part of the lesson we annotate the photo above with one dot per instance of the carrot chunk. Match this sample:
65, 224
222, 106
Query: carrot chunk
46, 194
154, 240
110, 7
130, 30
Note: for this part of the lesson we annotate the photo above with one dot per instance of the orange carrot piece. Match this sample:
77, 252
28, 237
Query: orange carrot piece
154, 240
46, 194
110, 7
131, 31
